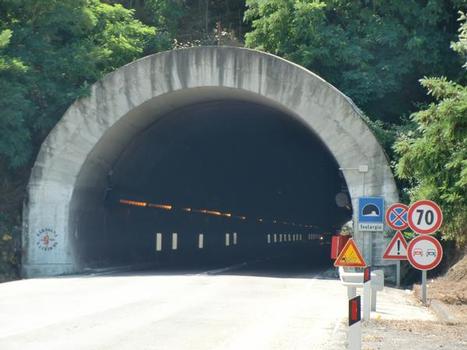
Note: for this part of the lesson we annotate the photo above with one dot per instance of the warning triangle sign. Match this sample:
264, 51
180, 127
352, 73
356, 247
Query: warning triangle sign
350, 256
397, 248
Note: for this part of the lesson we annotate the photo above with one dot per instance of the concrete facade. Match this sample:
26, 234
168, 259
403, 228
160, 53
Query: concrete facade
79, 152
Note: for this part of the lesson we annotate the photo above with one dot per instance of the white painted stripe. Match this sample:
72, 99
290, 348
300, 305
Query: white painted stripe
227, 239
200, 241
275, 237
174, 241
235, 238
158, 242
269, 238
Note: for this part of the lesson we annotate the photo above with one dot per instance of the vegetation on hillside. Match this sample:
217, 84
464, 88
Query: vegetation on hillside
433, 157
374, 51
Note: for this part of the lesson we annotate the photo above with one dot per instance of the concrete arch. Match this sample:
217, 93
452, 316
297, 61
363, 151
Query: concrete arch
78, 153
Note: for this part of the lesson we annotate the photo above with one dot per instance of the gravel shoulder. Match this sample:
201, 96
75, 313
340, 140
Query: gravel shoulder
413, 335
402, 322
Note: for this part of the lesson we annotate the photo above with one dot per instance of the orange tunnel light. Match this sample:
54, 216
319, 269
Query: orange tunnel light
135, 203
161, 206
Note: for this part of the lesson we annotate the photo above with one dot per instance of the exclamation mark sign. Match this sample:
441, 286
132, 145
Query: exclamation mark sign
398, 247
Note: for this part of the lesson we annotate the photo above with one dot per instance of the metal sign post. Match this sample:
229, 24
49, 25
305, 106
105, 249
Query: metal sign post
398, 273
424, 287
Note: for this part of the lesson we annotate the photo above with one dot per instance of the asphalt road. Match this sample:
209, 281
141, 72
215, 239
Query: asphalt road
256, 307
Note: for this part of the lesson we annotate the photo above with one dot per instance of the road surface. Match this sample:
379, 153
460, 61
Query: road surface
243, 309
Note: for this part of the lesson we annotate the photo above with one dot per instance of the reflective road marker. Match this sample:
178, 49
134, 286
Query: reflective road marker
200, 241
158, 242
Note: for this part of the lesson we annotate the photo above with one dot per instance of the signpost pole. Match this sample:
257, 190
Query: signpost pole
424, 287
398, 274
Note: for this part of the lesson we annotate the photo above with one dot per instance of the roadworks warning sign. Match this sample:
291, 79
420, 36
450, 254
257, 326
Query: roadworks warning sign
350, 256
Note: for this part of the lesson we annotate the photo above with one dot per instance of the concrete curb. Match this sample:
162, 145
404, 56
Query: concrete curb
442, 312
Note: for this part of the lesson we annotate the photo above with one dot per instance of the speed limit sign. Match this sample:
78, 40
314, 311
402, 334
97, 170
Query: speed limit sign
425, 217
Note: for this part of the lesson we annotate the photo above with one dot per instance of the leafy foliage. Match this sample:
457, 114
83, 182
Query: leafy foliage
56, 50
461, 45
434, 157
374, 51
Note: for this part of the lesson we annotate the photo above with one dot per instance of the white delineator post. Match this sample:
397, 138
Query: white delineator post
367, 293
354, 336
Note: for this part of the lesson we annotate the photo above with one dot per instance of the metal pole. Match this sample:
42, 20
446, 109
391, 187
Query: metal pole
368, 245
424, 287
398, 274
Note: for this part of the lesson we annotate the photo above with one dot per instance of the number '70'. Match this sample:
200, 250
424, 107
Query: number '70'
428, 216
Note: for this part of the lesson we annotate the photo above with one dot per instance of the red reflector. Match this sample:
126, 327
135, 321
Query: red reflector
367, 274
354, 310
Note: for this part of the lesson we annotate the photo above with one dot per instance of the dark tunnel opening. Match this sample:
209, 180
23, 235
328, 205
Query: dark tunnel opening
217, 183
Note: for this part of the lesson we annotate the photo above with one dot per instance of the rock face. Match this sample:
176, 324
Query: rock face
71, 170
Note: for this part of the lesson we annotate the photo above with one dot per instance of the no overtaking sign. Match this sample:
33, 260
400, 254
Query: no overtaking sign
424, 252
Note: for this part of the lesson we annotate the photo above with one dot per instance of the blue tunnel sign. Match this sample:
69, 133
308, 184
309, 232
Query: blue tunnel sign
370, 213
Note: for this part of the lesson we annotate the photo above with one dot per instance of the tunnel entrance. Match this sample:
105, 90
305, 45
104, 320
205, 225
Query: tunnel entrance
215, 182
174, 143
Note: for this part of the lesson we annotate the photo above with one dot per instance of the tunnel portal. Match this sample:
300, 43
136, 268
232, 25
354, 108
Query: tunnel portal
200, 155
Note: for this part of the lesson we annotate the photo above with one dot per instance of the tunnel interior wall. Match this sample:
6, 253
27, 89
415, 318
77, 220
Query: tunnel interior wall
233, 156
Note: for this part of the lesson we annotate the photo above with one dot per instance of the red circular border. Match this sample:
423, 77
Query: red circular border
438, 212
388, 211
435, 263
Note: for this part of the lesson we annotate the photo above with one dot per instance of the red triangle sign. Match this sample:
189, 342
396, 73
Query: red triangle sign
397, 248
350, 256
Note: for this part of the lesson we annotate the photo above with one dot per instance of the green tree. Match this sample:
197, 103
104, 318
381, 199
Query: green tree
52, 51
433, 158
15, 137
374, 51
